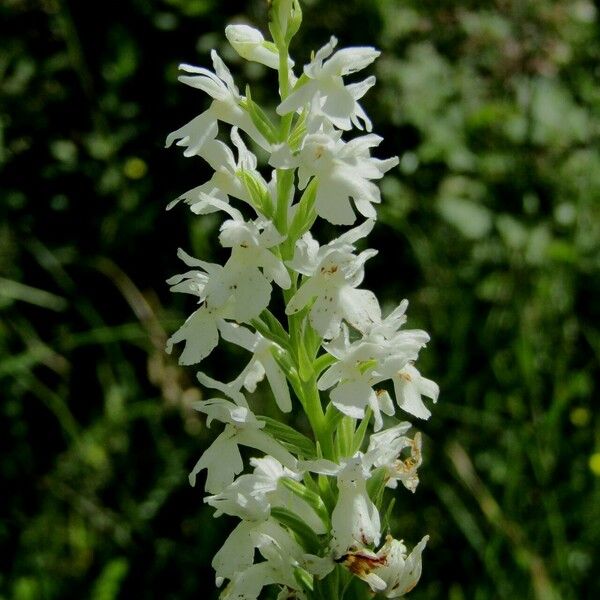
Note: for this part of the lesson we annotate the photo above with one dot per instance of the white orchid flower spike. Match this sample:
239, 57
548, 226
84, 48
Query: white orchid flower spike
309, 445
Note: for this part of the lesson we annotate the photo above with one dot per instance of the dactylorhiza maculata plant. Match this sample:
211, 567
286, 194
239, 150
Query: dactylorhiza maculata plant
310, 507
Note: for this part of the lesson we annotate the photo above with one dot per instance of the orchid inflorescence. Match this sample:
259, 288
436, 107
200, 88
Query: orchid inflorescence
311, 504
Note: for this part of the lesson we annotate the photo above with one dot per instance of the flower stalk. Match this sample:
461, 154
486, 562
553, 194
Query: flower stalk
311, 502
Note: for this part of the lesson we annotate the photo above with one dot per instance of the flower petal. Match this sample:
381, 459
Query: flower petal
278, 383
200, 335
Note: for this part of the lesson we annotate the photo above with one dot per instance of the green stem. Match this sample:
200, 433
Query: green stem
285, 184
284, 76
300, 345
333, 587
316, 417
284, 89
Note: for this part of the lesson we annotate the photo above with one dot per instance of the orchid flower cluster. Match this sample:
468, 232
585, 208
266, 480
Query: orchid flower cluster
310, 507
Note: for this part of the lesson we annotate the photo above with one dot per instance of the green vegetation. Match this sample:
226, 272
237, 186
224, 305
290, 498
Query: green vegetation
490, 226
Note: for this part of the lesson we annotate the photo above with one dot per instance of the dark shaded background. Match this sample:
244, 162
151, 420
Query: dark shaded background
490, 226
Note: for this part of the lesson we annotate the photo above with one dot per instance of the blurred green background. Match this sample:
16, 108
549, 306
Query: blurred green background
490, 226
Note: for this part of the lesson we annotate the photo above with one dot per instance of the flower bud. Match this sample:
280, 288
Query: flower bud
285, 18
250, 44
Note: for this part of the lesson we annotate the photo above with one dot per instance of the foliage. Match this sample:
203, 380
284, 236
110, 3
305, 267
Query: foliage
491, 229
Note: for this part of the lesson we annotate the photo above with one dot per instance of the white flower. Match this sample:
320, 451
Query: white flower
201, 330
353, 378
382, 353
196, 134
240, 290
409, 386
343, 170
385, 449
363, 364
383, 330
334, 273
225, 182
244, 498
268, 473
224, 107
248, 584
401, 573
262, 363
325, 91
246, 276
235, 559
250, 44
222, 459
355, 520
287, 593
251, 496
390, 571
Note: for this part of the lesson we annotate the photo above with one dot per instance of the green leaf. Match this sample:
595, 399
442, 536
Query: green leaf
332, 417
274, 325
259, 118
284, 360
376, 486
108, 584
26, 293
307, 537
310, 483
268, 333
305, 214
304, 578
285, 187
258, 192
345, 436
323, 362
298, 133
313, 499
473, 220
306, 365
290, 438
386, 522
312, 343
359, 434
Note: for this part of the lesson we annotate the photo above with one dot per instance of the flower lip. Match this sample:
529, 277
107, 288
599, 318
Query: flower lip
361, 562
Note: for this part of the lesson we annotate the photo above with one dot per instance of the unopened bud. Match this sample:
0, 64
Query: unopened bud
250, 44
285, 18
